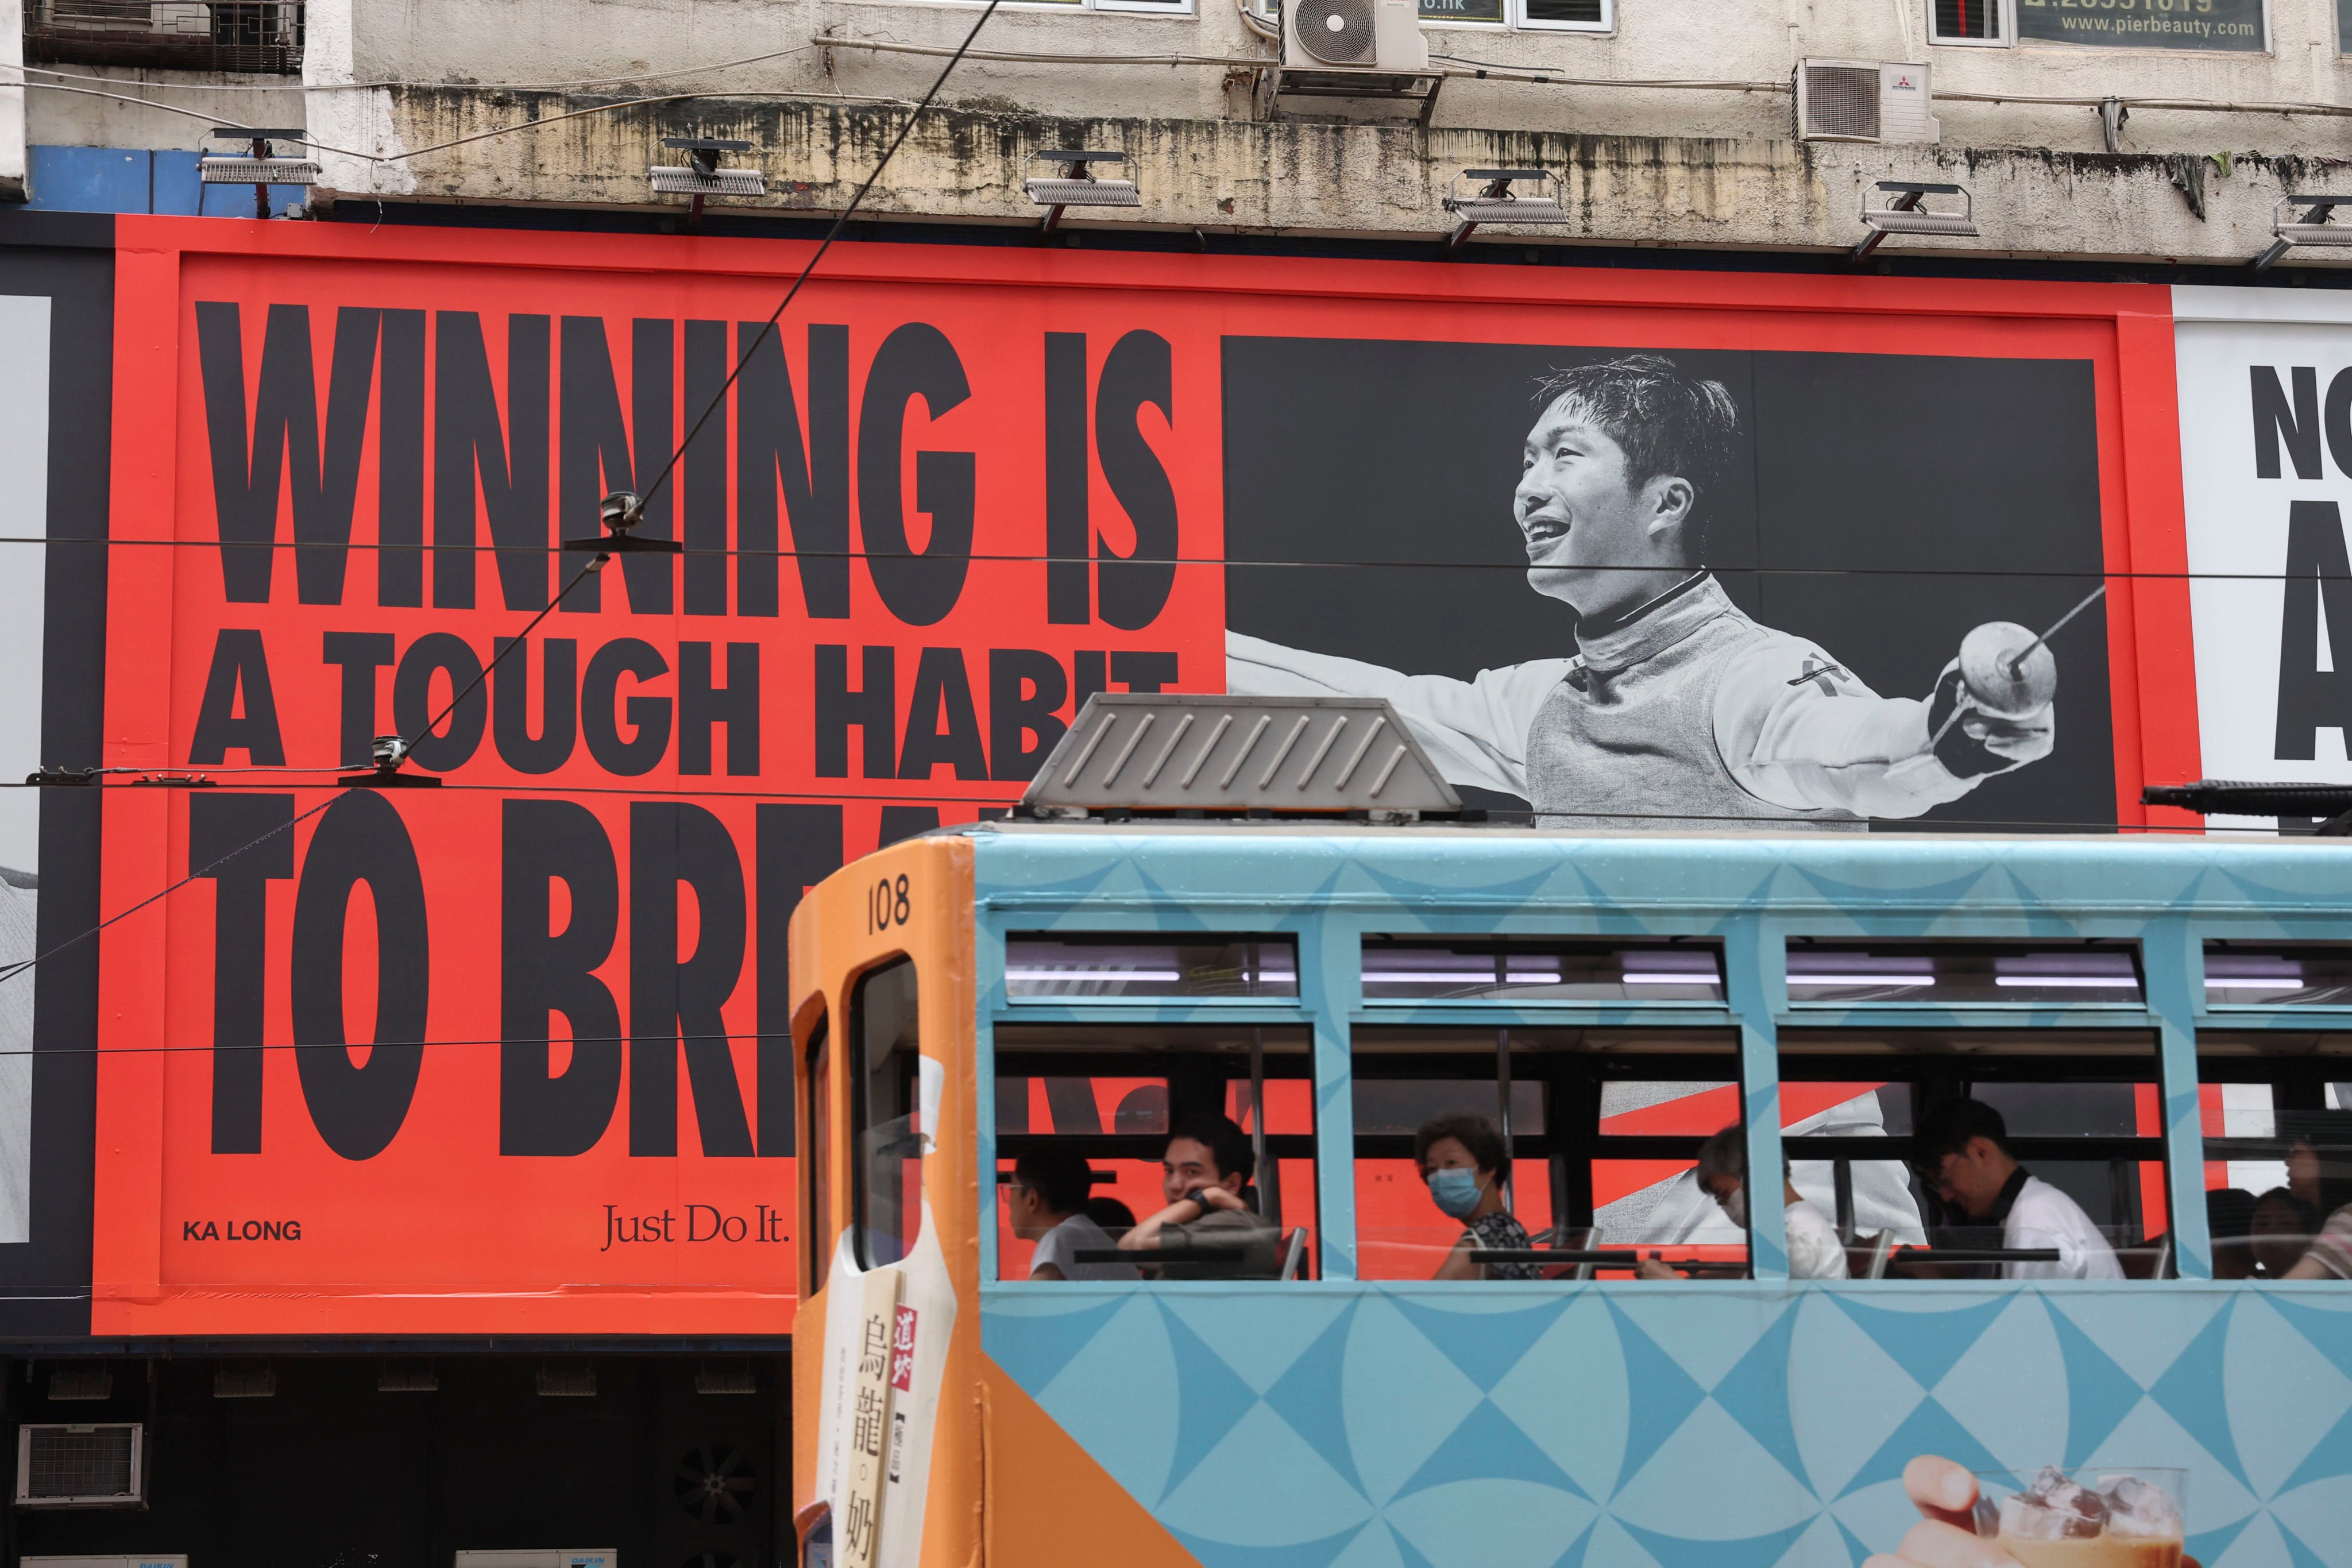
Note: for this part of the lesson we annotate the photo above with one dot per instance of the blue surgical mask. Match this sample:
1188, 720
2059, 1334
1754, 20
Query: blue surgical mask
1454, 1192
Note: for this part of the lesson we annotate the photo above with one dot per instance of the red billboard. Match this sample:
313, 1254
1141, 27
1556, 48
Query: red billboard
508, 1053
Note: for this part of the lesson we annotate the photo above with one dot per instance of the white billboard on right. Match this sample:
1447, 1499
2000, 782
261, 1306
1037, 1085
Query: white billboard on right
2266, 380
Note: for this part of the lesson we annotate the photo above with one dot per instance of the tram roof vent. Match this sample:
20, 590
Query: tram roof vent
1235, 756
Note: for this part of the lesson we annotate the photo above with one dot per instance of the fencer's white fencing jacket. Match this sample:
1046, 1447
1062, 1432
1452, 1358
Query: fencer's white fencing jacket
1689, 715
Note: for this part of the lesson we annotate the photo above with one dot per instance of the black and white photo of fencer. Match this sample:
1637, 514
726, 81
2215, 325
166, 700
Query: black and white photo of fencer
1803, 542
1684, 589
23, 460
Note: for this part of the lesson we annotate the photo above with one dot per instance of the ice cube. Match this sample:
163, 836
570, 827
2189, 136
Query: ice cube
2046, 1482
2139, 1508
2024, 1519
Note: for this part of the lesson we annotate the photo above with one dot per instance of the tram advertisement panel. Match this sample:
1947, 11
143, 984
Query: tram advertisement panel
2265, 381
510, 1051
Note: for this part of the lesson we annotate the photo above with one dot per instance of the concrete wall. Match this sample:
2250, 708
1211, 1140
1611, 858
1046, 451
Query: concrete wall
391, 85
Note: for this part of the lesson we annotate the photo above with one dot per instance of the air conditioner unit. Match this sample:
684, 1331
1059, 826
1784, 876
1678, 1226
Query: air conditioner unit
1369, 36
1865, 100
68, 1465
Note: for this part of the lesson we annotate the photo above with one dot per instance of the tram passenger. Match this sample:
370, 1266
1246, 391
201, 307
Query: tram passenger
1115, 1218
2330, 1256
1815, 1250
1048, 1198
1961, 1150
1211, 1207
1462, 1158
2230, 1221
2283, 1224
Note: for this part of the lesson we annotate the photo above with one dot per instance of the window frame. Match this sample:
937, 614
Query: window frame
860, 1107
1514, 19
816, 1144
2005, 39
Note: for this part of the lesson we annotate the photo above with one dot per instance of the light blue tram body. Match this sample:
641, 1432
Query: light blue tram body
1344, 1423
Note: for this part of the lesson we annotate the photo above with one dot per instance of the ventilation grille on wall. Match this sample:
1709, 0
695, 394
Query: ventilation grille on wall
72, 1466
244, 1383
81, 1380
408, 1377
567, 1380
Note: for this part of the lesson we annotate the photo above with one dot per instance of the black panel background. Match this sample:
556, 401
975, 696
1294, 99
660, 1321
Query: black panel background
1897, 498
44, 1283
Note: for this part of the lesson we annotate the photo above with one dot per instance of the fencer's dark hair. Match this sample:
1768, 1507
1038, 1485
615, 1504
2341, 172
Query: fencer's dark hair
1950, 1126
1666, 422
1227, 1144
1060, 1177
1475, 1133
1725, 1156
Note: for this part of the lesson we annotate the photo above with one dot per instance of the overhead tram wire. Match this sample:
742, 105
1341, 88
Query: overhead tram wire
12, 971
719, 398
981, 558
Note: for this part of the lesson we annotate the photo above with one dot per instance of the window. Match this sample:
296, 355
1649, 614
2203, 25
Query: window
1548, 16
2264, 974
1968, 21
2081, 1112
1411, 969
1115, 1095
1595, 1134
2276, 1110
2235, 27
816, 1162
1957, 974
1149, 967
883, 1086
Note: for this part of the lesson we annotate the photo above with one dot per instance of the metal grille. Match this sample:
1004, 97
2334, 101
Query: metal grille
79, 1462
693, 182
1053, 193
1842, 100
262, 36
1146, 751
1347, 43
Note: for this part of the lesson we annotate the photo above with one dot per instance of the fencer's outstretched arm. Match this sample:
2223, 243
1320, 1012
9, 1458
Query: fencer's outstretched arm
1797, 730
1474, 731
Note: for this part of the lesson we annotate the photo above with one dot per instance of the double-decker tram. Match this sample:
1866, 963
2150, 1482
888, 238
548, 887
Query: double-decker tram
1347, 1192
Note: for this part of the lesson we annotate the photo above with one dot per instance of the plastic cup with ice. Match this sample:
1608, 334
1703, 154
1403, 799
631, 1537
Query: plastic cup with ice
2099, 1517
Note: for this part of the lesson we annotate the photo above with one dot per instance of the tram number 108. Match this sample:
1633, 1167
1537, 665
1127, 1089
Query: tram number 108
887, 905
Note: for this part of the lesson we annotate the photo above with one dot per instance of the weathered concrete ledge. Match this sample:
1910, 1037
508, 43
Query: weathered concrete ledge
1304, 177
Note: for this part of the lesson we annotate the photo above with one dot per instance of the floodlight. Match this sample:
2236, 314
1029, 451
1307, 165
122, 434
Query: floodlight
256, 166
1492, 201
702, 176
2304, 220
1076, 185
1908, 212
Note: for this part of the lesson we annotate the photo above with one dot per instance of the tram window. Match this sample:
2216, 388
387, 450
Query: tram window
816, 1159
1952, 974
884, 1088
1600, 1143
1149, 965
2276, 1110
2065, 1129
1115, 1097
1401, 968
2268, 974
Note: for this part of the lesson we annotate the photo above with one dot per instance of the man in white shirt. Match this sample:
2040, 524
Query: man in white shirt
1677, 709
1047, 1195
1961, 1150
1815, 1250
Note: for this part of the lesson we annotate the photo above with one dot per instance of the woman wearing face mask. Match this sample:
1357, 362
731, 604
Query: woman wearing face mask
1462, 1158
